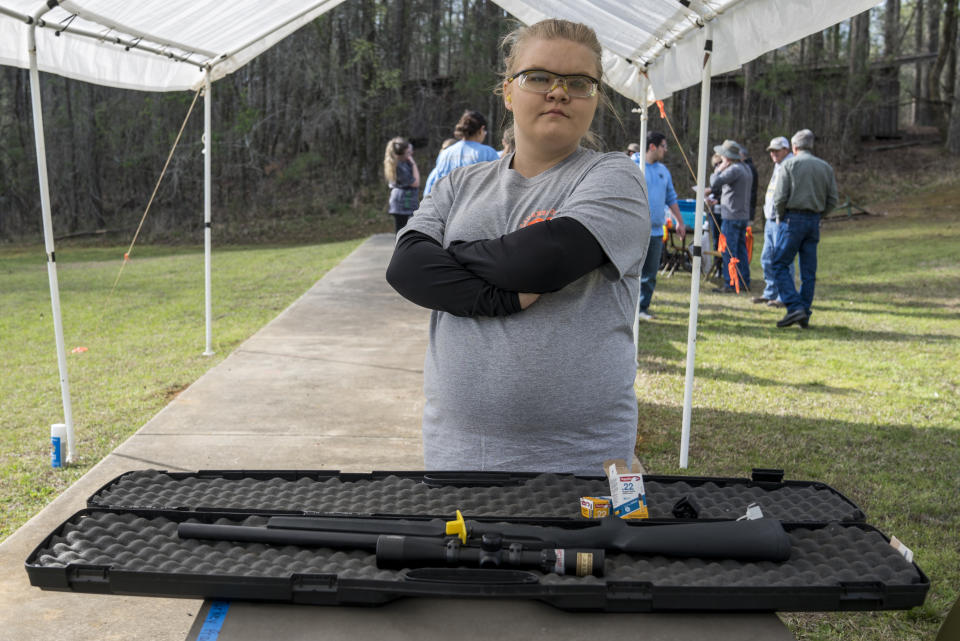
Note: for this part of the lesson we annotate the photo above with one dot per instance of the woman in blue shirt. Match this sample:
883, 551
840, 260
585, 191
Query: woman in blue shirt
470, 131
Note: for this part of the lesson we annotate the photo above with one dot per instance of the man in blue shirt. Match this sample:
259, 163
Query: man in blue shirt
660, 196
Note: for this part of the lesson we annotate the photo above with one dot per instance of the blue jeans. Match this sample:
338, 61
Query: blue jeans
798, 235
648, 275
735, 231
770, 292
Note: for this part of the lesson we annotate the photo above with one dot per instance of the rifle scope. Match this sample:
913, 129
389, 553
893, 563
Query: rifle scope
396, 551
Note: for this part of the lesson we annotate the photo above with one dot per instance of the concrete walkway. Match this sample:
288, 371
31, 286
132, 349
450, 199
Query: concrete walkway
334, 382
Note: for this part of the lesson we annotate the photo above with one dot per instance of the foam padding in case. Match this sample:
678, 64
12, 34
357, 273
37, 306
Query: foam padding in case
478, 494
832, 567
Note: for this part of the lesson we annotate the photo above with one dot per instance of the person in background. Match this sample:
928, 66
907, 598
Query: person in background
661, 196
713, 220
635, 151
403, 178
748, 163
754, 180
432, 176
732, 179
779, 149
531, 266
506, 141
470, 132
806, 191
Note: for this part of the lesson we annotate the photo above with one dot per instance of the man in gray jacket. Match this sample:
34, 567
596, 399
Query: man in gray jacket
733, 180
806, 190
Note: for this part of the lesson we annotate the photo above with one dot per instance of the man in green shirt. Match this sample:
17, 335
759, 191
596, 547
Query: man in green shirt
806, 190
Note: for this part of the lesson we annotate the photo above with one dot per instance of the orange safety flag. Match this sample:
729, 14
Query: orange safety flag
749, 244
734, 277
722, 244
667, 228
663, 114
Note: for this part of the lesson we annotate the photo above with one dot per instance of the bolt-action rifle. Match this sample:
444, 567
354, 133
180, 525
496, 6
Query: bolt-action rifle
574, 550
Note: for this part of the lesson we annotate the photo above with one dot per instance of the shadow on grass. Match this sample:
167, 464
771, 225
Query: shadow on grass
938, 311
838, 303
732, 376
719, 319
929, 291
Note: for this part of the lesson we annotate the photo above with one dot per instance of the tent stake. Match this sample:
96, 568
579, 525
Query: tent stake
697, 238
48, 238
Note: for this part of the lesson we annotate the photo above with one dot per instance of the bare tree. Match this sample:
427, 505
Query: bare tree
891, 29
857, 79
939, 108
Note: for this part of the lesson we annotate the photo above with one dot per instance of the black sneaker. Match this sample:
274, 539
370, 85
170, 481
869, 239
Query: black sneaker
760, 299
724, 290
798, 316
775, 303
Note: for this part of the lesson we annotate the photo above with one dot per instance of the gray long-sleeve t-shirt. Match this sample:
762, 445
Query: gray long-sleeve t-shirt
550, 388
734, 185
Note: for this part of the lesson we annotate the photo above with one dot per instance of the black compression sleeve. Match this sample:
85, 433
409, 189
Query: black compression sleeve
544, 257
424, 273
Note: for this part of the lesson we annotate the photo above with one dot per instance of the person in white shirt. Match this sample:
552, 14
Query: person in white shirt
779, 149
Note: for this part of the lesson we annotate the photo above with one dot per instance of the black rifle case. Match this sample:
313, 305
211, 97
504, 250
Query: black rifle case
127, 542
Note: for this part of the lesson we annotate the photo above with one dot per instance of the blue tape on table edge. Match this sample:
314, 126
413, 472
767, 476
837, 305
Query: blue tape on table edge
214, 621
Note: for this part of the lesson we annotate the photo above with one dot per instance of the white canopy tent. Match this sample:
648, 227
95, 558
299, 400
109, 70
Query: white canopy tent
651, 49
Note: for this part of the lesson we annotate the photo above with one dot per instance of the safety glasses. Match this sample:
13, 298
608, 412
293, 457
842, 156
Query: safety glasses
543, 81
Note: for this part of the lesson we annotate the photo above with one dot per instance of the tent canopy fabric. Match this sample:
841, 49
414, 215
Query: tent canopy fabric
166, 45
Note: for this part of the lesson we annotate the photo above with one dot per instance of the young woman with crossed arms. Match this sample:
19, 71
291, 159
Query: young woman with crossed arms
531, 266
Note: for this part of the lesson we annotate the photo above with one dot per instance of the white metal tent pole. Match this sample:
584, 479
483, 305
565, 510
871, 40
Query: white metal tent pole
644, 83
48, 238
697, 238
207, 153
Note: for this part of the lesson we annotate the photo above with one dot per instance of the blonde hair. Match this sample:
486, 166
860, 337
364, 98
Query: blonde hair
395, 148
508, 140
556, 29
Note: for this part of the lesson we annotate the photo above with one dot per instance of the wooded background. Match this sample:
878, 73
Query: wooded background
301, 129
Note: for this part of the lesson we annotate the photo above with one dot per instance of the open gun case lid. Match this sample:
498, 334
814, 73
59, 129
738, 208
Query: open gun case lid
126, 542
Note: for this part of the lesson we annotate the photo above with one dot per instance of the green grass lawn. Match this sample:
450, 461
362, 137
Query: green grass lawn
145, 344
865, 400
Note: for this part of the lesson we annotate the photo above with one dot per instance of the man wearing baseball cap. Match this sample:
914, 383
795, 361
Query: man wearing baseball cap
806, 190
633, 148
779, 149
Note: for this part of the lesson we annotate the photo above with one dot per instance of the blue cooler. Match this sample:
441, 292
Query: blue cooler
688, 209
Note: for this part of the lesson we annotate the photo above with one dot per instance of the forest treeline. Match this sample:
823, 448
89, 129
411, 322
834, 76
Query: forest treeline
301, 129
